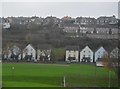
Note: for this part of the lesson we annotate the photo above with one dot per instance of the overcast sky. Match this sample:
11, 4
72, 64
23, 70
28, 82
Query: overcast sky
60, 9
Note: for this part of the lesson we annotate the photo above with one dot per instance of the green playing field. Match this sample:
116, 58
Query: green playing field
51, 75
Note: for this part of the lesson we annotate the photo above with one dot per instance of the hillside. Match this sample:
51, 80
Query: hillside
50, 34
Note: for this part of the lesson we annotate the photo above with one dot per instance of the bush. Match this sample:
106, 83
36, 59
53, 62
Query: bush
58, 54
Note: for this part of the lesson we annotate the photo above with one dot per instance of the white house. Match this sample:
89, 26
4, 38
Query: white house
15, 49
72, 54
100, 53
29, 53
114, 56
6, 25
114, 53
16, 52
12, 53
44, 53
8, 54
86, 55
86, 29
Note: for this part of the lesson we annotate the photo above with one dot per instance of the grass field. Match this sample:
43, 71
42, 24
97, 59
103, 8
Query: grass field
51, 75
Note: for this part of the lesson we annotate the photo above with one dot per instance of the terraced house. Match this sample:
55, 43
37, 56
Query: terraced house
99, 54
72, 54
86, 55
44, 53
71, 28
114, 53
16, 53
29, 53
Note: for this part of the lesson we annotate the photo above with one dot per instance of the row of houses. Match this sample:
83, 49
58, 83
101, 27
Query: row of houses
29, 53
78, 20
102, 20
76, 27
73, 54
90, 29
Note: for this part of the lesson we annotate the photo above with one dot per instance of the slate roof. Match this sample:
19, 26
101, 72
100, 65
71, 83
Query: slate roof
72, 47
71, 25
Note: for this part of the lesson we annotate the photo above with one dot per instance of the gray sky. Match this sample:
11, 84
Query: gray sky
60, 9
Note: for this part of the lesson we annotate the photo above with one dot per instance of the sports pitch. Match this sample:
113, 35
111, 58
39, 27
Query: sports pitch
51, 75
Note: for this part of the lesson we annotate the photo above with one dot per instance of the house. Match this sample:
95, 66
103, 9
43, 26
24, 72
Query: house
114, 30
29, 53
38, 21
87, 29
51, 20
6, 53
114, 53
35, 20
113, 20
71, 28
11, 53
86, 55
44, 53
15, 53
85, 21
102, 29
72, 54
66, 20
103, 20
5, 23
114, 56
100, 53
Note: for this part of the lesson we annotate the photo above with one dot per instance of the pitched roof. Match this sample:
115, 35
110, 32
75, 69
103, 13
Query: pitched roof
72, 47
89, 18
106, 17
30, 45
115, 49
86, 47
100, 48
71, 25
